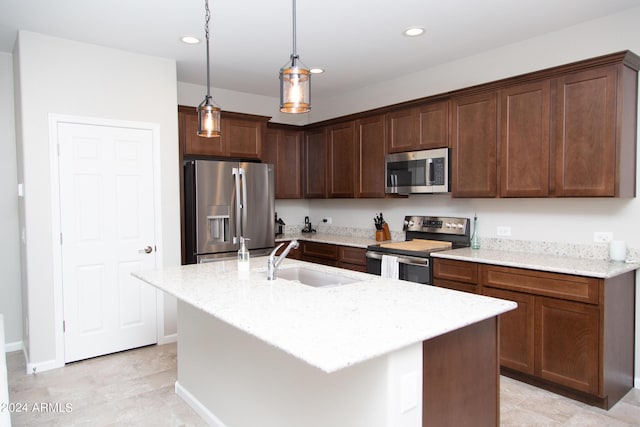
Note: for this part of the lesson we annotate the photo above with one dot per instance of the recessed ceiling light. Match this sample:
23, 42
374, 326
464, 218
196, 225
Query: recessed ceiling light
413, 31
316, 71
189, 40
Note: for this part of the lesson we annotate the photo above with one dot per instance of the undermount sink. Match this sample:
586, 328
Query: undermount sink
317, 279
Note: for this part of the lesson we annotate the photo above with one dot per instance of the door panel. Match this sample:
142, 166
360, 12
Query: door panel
107, 219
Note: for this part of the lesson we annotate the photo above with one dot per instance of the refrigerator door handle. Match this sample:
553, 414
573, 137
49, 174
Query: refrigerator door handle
243, 206
236, 172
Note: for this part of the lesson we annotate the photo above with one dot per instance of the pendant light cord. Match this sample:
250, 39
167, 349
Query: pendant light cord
206, 32
294, 55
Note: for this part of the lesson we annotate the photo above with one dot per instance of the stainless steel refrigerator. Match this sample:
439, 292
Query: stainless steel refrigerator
223, 201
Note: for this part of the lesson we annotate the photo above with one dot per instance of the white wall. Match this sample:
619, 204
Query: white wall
66, 77
9, 235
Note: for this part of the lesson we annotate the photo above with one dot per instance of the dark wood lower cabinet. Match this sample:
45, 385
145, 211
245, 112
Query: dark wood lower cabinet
349, 257
567, 337
516, 331
460, 384
572, 335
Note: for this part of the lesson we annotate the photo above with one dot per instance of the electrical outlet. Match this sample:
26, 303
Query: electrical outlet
503, 231
602, 236
327, 220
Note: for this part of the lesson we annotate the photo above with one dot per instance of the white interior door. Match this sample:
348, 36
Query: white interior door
107, 222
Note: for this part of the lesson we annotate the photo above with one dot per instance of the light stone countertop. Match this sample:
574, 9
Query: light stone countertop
330, 328
544, 262
334, 239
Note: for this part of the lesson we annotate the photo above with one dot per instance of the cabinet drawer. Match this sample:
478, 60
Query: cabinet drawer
563, 286
456, 286
460, 271
320, 250
351, 255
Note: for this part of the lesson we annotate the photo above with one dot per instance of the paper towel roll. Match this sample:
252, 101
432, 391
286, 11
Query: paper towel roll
617, 250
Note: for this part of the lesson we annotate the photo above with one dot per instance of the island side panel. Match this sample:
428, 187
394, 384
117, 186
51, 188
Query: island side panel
461, 380
241, 381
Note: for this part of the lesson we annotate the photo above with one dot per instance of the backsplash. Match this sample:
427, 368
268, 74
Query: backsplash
596, 251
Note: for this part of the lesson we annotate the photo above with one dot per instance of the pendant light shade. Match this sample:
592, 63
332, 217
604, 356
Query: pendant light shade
295, 81
208, 119
208, 112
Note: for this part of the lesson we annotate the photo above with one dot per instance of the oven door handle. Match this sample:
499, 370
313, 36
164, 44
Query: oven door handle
402, 259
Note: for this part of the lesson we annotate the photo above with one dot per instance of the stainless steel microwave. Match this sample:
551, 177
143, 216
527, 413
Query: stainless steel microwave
425, 171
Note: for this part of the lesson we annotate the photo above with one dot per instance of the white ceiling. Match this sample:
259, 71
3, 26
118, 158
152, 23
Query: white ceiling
357, 42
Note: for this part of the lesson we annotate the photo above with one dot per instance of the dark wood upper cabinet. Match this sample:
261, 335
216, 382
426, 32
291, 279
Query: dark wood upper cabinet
341, 162
315, 163
524, 140
283, 149
370, 151
433, 125
241, 137
587, 142
402, 132
474, 140
418, 128
194, 144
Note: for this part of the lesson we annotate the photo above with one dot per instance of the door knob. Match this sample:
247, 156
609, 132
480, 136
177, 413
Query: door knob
146, 250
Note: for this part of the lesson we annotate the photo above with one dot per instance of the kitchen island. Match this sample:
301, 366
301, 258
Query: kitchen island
374, 352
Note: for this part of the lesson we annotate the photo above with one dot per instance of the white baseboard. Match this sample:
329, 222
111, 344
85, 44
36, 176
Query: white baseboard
13, 346
168, 339
47, 365
200, 409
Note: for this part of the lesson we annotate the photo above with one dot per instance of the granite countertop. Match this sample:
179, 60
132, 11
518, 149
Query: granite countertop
330, 328
334, 239
543, 262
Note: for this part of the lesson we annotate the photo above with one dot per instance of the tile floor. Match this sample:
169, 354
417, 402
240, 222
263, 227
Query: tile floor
136, 388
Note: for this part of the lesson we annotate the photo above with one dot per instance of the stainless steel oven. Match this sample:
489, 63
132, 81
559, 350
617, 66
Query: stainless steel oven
423, 235
410, 268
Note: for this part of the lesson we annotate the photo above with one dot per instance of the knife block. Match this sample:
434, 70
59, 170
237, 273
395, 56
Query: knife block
379, 235
385, 231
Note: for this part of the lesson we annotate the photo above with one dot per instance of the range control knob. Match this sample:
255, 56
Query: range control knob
408, 223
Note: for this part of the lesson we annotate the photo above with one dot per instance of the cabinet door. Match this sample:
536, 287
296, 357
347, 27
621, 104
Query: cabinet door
198, 145
474, 146
516, 331
567, 335
341, 140
524, 140
402, 130
283, 149
584, 147
243, 138
352, 258
315, 164
433, 125
370, 151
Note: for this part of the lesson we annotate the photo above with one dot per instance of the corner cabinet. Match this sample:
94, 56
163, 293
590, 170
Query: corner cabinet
283, 148
341, 160
314, 150
573, 335
242, 135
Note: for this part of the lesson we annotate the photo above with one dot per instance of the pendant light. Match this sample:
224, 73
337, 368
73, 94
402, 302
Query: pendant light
208, 111
295, 81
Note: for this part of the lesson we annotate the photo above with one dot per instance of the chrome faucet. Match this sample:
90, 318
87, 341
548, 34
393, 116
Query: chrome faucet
273, 263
